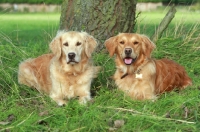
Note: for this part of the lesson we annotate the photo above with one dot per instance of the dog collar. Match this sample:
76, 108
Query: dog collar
126, 74
136, 72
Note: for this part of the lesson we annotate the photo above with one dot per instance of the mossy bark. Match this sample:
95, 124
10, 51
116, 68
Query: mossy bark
102, 18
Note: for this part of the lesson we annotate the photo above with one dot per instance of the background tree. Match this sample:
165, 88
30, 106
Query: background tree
100, 18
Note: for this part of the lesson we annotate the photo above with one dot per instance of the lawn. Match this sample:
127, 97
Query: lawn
25, 36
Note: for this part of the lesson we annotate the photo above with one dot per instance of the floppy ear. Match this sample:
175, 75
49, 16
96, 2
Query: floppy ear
91, 44
148, 45
110, 45
55, 47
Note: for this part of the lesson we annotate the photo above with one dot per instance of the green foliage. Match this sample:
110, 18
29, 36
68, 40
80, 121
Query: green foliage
25, 109
176, 2
154, 1
195, 7
32, 1
179, 2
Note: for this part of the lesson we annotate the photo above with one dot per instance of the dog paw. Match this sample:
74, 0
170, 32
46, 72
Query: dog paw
61, 103
84, 100
58, 100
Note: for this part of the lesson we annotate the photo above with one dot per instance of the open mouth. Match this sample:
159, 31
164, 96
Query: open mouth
129, 60
72, 62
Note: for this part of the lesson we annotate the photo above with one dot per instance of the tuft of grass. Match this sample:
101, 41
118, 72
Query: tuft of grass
24, 109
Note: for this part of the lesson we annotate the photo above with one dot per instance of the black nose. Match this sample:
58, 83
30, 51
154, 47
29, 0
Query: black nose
71, 55
128, 51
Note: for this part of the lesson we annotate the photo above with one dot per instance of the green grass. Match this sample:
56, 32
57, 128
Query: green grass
25, 36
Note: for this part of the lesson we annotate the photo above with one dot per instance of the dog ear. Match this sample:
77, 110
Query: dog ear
110, 45
148, 45
91, 44
55, 47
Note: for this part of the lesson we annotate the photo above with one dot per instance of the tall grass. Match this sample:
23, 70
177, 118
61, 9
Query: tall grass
24, 109
179, 42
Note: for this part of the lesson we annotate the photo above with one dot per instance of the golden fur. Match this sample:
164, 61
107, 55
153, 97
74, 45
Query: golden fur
65, 73
137, 74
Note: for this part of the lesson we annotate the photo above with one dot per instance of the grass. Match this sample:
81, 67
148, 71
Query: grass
25, 36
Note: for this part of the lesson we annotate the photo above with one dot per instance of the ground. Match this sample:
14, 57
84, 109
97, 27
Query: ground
25, 36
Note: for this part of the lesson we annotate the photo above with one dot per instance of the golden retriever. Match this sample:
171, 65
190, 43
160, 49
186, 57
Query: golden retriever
65, 73
137, 74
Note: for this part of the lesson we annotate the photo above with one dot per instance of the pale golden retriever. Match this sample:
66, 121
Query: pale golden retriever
65, 73
137, 74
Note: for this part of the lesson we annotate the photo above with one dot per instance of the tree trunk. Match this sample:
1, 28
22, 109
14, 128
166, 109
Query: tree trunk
100, 18
164, 24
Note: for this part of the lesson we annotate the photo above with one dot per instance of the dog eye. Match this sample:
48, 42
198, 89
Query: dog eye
78, 43
121, 42
135, 42
66, 44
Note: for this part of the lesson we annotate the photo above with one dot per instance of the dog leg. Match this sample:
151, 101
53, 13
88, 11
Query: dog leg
143, 91
83, 92
26, 75
59, 99
84, 99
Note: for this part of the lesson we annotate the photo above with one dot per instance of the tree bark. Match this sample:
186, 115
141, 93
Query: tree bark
100, 18
164, 24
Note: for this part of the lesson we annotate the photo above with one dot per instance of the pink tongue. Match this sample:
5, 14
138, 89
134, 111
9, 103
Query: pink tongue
128, 61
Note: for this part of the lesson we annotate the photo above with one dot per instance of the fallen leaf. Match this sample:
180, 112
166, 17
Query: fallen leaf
118, 123
41, 106
167, 115
10, 118
186, 112
34, 102
7, 130
42, 122
44, 113
110, 122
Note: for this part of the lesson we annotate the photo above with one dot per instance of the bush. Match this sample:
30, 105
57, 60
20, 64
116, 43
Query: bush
179, 2
176, 2
32, 1
195, 7
154, 1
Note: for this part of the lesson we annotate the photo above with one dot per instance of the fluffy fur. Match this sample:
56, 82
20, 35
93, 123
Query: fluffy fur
65, 73
137, 74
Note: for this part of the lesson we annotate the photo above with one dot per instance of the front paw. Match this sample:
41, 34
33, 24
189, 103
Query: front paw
58, 100
84, 100
61, 102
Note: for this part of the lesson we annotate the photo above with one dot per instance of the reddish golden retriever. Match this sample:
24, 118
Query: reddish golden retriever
67, 72
137, 74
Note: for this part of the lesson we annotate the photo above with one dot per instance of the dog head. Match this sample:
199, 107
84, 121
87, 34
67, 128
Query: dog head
73, 46
130, 47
